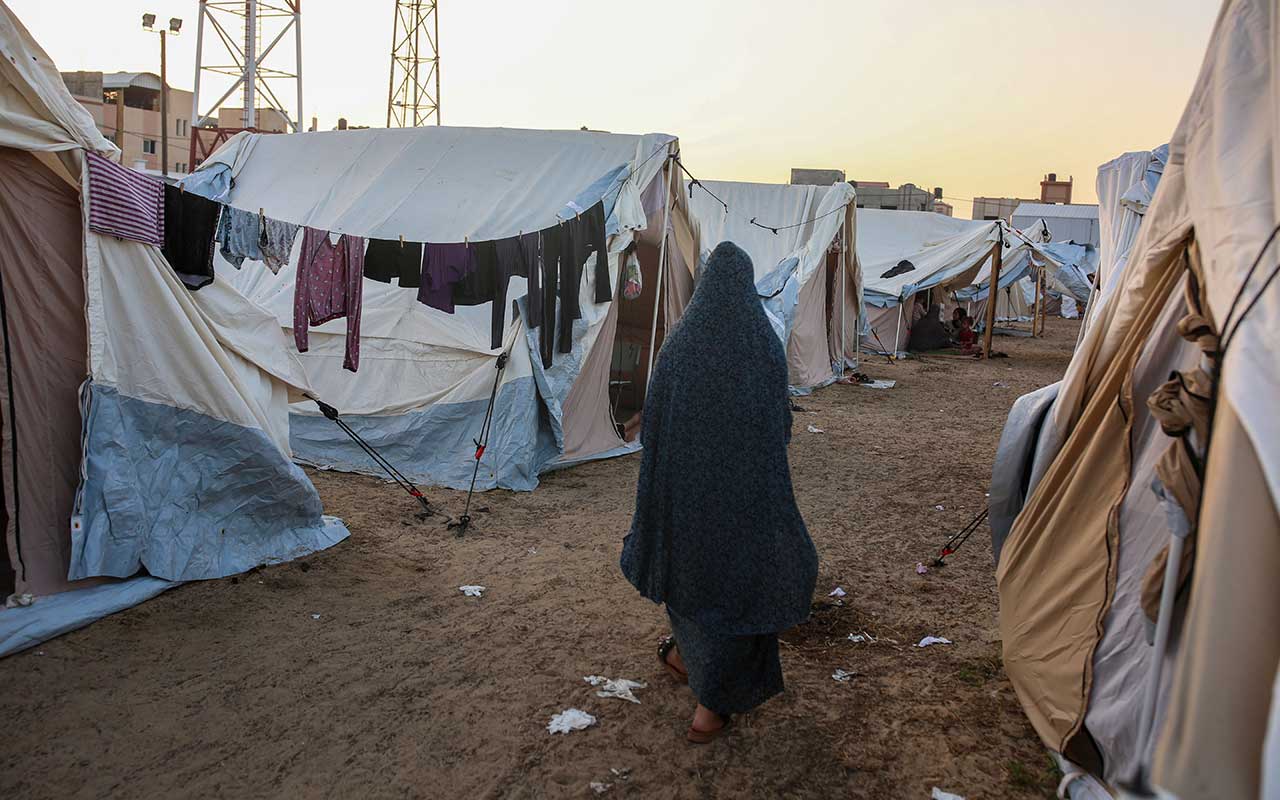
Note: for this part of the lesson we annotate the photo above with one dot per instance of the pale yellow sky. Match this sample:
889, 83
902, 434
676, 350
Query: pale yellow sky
980, 97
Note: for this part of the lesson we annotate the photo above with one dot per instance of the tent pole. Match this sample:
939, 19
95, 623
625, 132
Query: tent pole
1037, 322
897, 333
993, 290
844, 243
662, 270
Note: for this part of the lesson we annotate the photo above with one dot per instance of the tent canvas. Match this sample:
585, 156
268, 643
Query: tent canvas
1108, 489
807, 272
138, 431
426, 376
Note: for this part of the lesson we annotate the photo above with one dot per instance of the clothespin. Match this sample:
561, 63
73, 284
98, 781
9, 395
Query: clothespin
402, 241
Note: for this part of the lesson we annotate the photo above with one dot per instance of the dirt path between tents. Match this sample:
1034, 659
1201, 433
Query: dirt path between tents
403, 687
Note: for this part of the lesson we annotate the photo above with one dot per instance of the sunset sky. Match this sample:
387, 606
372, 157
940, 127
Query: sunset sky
981, 97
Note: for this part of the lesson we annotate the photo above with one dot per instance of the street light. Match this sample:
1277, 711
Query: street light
175, 25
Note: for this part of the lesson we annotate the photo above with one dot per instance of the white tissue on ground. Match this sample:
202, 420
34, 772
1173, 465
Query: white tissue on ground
571, 719
471, 591
813, 429
928, 640
843, 676
837, 592
621, 688
938, 794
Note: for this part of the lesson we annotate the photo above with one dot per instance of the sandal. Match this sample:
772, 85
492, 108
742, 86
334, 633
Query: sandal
664, 649
706, 737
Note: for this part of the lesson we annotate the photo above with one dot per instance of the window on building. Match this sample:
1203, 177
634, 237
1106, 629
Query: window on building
990, 218
149, 146
889, 208
177, 127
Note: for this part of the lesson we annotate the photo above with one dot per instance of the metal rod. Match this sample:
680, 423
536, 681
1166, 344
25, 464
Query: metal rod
435, 13
164, 106
662, 264
1168, 594
897, 334
297, 27
993, 296
195, 91
250, 64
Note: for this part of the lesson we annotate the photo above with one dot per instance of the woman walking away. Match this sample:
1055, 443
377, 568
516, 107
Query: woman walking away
716, 534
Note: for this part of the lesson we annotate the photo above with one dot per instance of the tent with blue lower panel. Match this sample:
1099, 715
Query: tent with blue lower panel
144, 437
425, 379
801, 243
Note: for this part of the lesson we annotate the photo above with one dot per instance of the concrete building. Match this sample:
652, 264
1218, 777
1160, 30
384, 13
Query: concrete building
943, 207
1078, 223
1053, 190
907, 197
126, 108
992, 208
816, 177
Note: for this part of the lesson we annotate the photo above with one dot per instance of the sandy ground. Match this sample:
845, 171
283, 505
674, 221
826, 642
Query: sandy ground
403, 687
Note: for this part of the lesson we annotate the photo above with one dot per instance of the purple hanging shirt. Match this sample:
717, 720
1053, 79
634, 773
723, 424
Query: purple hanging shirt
328, 287
124, 202
443, 265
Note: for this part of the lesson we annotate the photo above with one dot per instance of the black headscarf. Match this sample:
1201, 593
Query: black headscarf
716, 533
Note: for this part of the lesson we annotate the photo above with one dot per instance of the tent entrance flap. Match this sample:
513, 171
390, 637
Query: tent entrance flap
629, 370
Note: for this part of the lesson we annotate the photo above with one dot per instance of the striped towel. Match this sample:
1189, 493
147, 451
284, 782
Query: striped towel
125, 203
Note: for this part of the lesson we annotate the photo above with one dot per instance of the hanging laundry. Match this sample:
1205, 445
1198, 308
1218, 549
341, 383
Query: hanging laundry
392, 258
632, 280
443, 265
479, 286
533, 302
124, 202
240, 234
276, 243
190, 226
551, 257
328, 287
513, 259
588, 237
570, 284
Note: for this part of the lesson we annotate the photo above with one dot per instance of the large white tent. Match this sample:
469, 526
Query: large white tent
145, 430
801, 245
426, 376
1140, 568
904, 253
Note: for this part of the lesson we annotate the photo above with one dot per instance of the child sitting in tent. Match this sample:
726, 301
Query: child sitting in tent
965, 337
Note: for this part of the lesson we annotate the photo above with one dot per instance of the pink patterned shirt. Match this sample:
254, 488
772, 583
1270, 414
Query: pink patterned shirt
329, 287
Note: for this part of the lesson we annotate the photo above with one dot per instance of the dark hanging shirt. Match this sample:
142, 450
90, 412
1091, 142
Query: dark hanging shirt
513, 259
443, 265
190, 227
480, 284
391, 258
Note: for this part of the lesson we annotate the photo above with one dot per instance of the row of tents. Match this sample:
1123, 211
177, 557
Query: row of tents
152, 431
1135, 505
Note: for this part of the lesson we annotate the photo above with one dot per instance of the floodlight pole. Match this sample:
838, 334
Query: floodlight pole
997, 254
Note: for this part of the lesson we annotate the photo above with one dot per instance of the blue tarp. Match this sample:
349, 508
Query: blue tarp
187, 496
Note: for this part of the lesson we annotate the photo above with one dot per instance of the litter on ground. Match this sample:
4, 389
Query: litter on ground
843, 676
921, 569
931, 640
621, 688
938, 794
814, 429
571, 719
837, 592
880, 384
471, 591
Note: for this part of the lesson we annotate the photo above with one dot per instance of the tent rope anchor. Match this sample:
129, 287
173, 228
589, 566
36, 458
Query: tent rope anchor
958, 538
397, 477
482, 444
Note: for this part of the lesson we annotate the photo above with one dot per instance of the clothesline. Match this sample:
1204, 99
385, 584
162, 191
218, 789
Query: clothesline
695, 183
